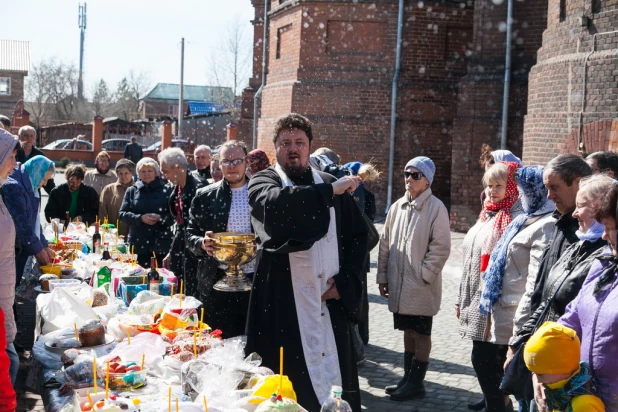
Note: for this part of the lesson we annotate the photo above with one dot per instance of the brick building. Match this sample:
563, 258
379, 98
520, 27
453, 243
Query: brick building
573, 104
334, 62
14, 67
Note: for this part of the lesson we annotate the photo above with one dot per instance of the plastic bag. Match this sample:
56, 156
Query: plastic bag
148, 303
215, 382
65, 307
30, 280
146, 343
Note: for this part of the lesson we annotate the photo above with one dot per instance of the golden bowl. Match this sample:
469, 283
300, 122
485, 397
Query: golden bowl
234, 249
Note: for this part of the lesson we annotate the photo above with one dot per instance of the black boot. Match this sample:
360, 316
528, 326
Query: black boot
477, 406
414, 387
407, 365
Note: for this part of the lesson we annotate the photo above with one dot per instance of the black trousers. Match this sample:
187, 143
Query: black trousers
488, 361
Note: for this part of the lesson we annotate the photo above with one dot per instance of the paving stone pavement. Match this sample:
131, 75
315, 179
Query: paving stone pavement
451, 383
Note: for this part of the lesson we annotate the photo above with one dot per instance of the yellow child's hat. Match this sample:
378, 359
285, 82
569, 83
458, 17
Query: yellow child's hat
553, 349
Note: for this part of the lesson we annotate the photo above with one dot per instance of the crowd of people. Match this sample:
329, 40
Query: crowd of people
538, 295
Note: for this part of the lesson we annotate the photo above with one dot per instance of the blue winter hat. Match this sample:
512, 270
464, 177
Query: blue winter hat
354, 167
425, 165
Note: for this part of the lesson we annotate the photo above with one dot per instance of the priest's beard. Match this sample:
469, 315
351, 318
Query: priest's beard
294, 171
102, 171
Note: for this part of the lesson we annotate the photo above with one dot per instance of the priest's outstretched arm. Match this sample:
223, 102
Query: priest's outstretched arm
288, 219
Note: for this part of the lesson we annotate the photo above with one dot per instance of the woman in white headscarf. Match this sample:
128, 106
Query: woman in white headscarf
8, 150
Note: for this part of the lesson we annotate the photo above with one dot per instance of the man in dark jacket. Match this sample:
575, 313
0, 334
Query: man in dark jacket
79, 200
175, 168
222, 207
201, 156
133, 151
26, 151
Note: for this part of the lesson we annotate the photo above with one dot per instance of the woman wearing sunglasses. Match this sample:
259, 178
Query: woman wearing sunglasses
414, 247
501, 206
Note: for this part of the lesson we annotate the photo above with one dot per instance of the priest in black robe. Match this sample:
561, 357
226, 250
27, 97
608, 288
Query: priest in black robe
292, 209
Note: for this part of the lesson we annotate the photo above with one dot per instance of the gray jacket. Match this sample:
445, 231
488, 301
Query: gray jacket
7, 269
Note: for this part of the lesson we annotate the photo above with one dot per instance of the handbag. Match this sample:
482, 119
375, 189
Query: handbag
373, 237
517, 380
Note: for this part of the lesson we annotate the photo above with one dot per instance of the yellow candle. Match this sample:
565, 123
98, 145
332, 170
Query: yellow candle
129, 335
90, 400
177, 405
194, 344
107, 381
172, 293
75, 329
205, 404
143, 359
200, 325
280, 369
181, 289
94, 370
169, 399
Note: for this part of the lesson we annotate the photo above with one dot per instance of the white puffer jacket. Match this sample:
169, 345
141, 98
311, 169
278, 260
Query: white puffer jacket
522, 265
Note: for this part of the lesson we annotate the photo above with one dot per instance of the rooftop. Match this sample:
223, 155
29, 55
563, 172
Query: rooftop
169, 91
14, 55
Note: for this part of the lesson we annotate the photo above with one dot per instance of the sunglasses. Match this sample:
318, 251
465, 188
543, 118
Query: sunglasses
414, 175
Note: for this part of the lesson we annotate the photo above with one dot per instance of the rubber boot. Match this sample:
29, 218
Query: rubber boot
407, 365
477, 406
414, 387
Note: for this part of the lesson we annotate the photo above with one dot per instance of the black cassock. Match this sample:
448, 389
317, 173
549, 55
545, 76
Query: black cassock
289, 220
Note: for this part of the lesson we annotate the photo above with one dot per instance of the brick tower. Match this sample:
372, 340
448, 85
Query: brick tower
573, 104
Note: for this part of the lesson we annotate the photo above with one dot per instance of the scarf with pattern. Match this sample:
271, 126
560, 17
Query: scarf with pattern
535, 203
579, 384
503, 215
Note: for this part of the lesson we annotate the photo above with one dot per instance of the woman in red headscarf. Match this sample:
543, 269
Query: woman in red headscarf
500, 207
256, 162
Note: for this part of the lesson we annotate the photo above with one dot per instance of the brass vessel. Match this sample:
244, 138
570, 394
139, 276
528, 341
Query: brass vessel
234, 249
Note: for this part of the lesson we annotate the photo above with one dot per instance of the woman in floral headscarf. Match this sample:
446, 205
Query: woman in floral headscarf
21, 193
499, 209
256, 162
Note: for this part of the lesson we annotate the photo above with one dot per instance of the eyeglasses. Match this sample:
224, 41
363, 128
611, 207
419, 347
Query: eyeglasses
234, 162
413, 175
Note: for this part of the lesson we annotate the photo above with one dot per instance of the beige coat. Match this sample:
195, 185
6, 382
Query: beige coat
414, 246
110, 201
522, 265
98, 181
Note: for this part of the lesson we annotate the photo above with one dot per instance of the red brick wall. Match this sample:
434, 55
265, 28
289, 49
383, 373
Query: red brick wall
335, 65
558, 113
479, 108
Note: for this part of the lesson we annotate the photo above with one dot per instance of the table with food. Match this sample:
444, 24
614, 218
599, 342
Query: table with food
114, 336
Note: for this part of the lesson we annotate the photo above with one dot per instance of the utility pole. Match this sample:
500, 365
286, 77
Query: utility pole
182, 86
81, 21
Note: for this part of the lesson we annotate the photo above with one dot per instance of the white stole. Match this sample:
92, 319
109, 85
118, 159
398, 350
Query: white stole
311, 269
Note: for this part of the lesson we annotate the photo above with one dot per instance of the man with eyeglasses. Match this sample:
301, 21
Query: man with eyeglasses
221, 207
307, 288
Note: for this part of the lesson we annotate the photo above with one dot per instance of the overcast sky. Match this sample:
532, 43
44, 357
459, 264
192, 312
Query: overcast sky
143, 35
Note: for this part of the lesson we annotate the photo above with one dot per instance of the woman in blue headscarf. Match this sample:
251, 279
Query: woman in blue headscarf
21, 195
